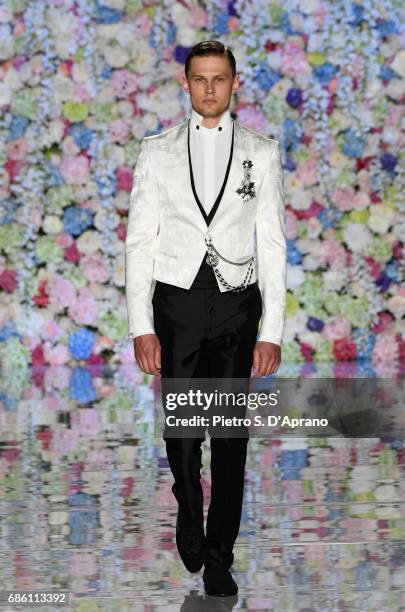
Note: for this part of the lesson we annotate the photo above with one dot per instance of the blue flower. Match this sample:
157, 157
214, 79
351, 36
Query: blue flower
388, 161
81, 343
265, 76
106, 185
180, 53
386, 74
364, 340
171, 33
294, 97
76, 220
294, 255
387, 28
292, 133
106, 72
81, 386
353, 145
315, 324
357, 12
54, 177
289, 164
232, 12
108, 15
81, 135
325, 72
7, 331
221, 25
391, 270
329, 217
17, 127
285, 24
383, 282
8, 211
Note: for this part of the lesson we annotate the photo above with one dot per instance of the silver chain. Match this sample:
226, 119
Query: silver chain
212, 260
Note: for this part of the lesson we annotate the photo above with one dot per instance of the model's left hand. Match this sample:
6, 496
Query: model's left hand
266, 358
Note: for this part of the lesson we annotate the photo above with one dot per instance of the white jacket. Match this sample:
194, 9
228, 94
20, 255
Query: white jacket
166, 229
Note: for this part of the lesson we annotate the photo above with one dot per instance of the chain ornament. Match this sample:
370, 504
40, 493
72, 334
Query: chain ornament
212, 260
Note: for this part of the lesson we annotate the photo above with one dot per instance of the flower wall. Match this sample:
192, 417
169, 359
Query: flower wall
81, 82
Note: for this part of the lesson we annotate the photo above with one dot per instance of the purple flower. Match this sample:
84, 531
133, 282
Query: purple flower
388, 161
294, 97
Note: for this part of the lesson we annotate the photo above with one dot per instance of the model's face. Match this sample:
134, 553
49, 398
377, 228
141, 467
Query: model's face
210, 85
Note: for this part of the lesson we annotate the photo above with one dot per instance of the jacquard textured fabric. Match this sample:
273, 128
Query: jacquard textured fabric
166, 230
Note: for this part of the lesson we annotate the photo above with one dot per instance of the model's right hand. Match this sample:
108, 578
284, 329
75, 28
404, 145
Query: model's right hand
147, 353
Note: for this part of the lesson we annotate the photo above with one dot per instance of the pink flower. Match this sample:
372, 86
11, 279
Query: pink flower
61, 293
307, 172
119, 131
385, 320
252, 117
343, 198
386, 349
94, 267
8, 280
337, 327
290, 224
124, 83
81, 93
331, 252
294, 60
17, 149
84, 311
56, 355
125, 178
75, 169
143, 25
197, 17
51, 331
64, 240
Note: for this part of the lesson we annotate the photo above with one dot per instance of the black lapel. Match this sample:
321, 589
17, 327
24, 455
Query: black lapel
208, 218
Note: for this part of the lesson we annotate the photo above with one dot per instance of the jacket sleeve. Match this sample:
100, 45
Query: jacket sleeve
271, 249
140, 245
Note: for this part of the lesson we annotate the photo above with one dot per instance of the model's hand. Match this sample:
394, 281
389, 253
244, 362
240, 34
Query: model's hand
147, 353
266, 358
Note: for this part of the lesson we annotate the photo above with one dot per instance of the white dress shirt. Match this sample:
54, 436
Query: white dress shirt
209, 150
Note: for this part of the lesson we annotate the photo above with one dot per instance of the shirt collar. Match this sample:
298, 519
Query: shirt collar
225, 122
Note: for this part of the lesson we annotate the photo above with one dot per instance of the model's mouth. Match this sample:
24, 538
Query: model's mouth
209, 101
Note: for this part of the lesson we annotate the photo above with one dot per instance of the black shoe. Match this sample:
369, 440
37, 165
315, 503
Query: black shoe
190, 540
218, 581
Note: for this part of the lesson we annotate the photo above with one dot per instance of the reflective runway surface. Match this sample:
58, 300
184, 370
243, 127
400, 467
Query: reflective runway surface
86, 507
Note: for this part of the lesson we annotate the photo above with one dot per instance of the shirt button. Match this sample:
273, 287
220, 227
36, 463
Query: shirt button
219, 129
198, 127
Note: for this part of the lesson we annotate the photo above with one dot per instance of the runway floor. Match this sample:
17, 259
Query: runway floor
86, 507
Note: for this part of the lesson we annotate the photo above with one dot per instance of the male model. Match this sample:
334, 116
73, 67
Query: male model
205, 272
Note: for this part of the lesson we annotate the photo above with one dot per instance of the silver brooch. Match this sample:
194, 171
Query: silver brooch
247, 187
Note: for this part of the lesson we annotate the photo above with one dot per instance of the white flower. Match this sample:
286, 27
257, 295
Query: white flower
80, 72
356, 236
90, 242
295, 277
119, 271
399, 63
52, 225
118, 5
116, 56
7, 42
5, 94
381, 218
334, 280
396, 89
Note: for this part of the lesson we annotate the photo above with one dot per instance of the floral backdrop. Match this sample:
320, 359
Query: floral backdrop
81, 82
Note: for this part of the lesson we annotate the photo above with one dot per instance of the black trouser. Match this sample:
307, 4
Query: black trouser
206, 333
